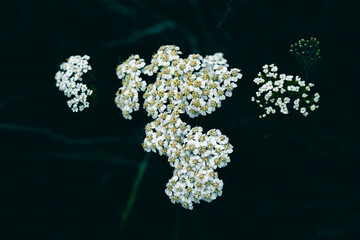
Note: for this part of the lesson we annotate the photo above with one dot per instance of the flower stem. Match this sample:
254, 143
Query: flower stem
135, 187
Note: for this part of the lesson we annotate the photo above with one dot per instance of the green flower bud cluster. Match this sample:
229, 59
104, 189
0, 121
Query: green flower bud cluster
306, 51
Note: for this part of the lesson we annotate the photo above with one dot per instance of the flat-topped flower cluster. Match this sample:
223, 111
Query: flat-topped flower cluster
69, 80
281, 92
194, 86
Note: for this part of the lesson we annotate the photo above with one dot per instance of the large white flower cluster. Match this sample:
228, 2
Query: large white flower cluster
280, 92
194, 85
193, 155
69, 80
127, 96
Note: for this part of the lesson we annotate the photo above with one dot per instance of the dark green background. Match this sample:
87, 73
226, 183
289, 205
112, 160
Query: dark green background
68, 176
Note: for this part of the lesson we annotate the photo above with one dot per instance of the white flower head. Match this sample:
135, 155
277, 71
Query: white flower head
194, 161
194, 85
279, 91
69, 80
127, 96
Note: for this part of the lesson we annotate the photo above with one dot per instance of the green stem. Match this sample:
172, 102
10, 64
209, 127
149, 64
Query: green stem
135, 187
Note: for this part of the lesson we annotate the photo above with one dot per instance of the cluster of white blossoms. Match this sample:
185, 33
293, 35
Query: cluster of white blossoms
165, 134
194, 178
193, 155
69, 80
127, 96
280, 91
195, 85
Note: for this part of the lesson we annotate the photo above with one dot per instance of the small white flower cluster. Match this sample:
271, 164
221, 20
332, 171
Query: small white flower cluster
194, 85
193, 155
68, 80
280, 91
165, 134
127, 96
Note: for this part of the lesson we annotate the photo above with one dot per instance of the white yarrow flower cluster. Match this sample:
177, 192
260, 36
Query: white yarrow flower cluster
69, 80
194, 178
280, 92
127, 96
195, 85
193, 155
